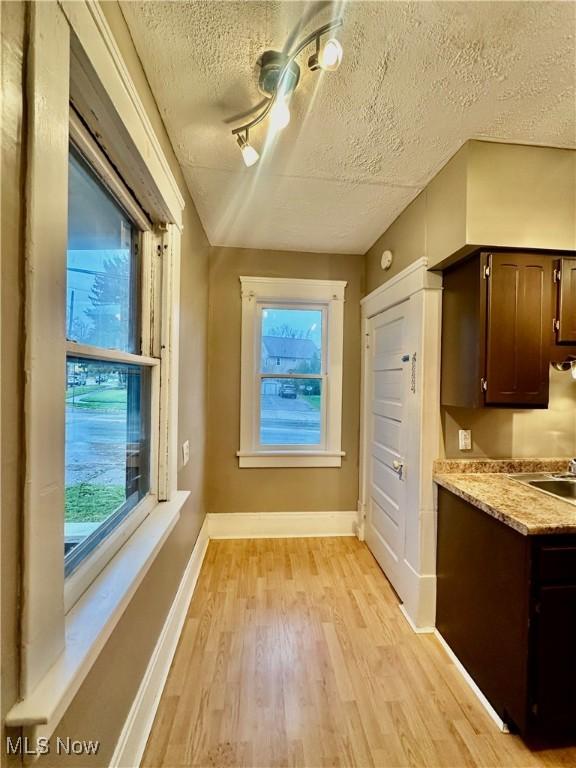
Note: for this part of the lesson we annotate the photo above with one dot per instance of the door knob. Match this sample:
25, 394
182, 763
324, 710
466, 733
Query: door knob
398, 466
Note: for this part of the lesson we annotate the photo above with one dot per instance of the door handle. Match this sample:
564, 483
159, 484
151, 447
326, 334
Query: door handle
398, 467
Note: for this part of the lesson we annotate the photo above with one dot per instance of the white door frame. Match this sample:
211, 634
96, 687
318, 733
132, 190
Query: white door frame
423, 290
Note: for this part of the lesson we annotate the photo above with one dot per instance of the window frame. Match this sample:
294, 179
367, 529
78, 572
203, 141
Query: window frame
148, 285
259, 293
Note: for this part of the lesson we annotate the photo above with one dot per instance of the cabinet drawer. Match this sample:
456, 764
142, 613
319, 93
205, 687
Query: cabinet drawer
557, 564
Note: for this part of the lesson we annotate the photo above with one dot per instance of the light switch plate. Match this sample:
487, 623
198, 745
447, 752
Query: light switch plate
185, 452
465, 439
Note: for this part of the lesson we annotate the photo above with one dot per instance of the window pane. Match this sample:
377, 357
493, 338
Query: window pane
290, 411
291, 340
107, 449
103, 273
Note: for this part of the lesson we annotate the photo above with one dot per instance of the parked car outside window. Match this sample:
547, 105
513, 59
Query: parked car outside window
288, 389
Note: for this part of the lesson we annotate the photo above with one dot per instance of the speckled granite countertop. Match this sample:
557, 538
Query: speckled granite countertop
484, 483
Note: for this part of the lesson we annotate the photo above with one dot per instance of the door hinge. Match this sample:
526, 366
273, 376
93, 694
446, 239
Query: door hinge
486, 271
555, 325
557, 275
483, 385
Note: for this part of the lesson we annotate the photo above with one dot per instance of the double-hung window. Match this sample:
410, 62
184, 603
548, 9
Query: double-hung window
291, 399
111, 402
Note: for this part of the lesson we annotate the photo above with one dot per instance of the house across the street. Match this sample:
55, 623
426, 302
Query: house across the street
283, 354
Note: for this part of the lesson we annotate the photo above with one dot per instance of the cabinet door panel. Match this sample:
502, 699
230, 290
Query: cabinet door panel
567, 301
519, 323
555, 659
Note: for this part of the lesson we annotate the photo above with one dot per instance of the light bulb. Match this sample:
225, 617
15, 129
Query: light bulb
330, 55
249, 154
279, 115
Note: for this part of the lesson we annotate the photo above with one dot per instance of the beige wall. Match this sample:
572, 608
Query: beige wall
100, 707
503, 432
11, 344
488, 194
521, 196
406, 238
230, 489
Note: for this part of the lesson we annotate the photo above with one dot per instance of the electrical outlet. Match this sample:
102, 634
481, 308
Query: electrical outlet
465, 439
185, 453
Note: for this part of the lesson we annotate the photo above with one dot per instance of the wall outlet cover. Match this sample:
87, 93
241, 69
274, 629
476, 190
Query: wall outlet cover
465, 439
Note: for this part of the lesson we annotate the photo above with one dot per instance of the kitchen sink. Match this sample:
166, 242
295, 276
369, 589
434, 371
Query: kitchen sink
562, 486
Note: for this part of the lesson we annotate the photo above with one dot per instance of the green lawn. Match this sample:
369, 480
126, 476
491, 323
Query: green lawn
109, 399
73, 392
91, 503
313, 400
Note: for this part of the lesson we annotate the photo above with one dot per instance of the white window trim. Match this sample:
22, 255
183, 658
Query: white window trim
258, 291
58, 647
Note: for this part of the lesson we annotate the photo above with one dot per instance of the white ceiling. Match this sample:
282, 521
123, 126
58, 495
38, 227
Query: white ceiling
417, 80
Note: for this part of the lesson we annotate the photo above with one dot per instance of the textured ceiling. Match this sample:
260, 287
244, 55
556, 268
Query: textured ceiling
417, 80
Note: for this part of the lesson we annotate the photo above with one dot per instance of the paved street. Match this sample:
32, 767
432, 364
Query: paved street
287, 421
95, 446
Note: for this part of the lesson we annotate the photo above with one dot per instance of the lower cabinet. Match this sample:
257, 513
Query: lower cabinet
506, 605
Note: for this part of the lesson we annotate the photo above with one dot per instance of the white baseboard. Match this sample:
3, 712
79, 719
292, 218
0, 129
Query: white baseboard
418, 630
473, 687
281, 525
418, 596
134, 736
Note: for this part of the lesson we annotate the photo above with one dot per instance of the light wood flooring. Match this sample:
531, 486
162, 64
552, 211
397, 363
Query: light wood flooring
294, 653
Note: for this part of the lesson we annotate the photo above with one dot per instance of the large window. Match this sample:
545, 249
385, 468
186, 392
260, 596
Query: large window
291, 372
108, 381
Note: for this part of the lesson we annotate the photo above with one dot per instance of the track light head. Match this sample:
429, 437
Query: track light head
328, 57
249, 154
279, 115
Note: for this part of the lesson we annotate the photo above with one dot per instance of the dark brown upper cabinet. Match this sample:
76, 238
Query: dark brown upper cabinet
497, 331
565, 317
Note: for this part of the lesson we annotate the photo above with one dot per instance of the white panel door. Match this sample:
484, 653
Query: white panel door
388, 367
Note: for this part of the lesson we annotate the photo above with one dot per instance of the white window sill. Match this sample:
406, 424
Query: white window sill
91, 621
253, 459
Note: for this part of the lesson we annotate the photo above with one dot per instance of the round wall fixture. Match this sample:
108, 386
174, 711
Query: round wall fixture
387, 259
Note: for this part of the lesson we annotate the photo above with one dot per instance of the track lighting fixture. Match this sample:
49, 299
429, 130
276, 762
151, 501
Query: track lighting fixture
279, 76
249, 154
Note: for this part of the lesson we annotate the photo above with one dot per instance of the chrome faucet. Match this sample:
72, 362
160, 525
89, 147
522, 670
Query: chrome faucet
572, 467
